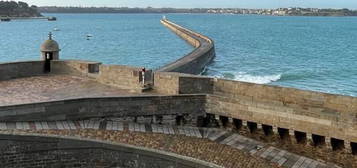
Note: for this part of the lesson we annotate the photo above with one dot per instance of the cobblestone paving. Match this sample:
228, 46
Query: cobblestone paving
53, 87
249, 146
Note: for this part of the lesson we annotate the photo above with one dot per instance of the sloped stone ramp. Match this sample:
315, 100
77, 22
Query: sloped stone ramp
280, 157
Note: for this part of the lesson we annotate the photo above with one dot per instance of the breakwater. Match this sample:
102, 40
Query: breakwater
28, 18
194, 62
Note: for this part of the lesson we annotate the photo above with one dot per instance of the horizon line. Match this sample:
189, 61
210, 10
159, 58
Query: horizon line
189, 8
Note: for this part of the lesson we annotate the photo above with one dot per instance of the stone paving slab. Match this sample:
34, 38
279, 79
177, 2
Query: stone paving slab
280, 157
109, 125
171, 129
117, 126
216, 134
72, 125
59, 125
154, 128
19, 125
181, 131
3, 126
26, 125
65, 125
54, 87
45, 125
38, 125
52, 125
165, 129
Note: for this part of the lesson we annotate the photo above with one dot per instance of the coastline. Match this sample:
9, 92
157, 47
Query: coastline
48, 18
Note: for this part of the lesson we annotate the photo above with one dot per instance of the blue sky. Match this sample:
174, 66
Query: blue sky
351, 4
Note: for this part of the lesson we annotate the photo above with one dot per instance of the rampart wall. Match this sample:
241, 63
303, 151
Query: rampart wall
40, 151
124, 77
74, 67
314, 115
179, 83
121, 76
116, 107
14, 70
328, 115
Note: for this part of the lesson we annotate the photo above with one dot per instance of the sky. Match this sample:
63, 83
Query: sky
351, 4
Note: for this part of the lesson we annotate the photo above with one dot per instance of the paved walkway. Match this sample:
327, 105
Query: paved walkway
53, 87
280, 157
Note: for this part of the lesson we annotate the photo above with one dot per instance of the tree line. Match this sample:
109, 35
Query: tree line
301, 12
18, 9
54, 9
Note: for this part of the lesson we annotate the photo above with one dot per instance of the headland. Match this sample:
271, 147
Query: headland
11, 10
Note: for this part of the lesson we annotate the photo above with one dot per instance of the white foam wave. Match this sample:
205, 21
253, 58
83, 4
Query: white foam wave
256, 79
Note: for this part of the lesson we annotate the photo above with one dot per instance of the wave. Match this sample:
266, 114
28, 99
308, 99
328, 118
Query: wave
244, 77
258, 79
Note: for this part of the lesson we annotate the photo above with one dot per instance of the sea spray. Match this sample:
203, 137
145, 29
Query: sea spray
264, 79
244, 77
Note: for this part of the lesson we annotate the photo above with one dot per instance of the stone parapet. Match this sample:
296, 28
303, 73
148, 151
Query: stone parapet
13, 70
299, 110
126, 106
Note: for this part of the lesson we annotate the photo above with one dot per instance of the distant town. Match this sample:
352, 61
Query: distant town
296, 11
22, 9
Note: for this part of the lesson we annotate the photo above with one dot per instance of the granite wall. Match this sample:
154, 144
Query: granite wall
196, 61
37, 152
75, 67
121, 76
14, 70
332, 116
83, 108
314, 113
178, 83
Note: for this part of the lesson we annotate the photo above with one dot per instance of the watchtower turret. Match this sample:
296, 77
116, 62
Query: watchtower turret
49, 51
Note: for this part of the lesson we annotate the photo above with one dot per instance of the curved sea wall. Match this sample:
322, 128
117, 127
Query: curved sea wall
52, 151
191, 106
196, 61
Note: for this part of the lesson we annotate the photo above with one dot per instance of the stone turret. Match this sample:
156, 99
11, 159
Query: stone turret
50, 49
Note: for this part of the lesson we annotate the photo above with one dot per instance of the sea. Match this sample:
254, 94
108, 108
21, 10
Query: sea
310, 53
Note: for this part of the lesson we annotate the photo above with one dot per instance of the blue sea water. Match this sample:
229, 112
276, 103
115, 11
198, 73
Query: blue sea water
312, 53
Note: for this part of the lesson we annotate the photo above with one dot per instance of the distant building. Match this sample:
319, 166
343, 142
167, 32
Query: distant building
279, 12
